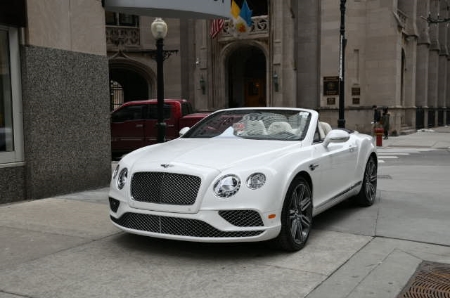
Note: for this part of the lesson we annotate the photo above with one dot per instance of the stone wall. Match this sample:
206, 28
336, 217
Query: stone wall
66, 121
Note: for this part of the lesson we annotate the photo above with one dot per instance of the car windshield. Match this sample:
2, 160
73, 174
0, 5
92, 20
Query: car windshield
259, 124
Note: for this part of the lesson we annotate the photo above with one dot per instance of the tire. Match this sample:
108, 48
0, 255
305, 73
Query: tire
296, 216
367, 195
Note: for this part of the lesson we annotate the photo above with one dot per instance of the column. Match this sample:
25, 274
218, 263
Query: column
443, 55
423, 45
433, 66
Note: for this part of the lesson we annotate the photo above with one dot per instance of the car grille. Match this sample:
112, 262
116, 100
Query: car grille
176, 226
242, 218
165, 188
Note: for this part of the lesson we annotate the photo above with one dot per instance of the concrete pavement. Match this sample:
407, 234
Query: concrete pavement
409, 224
437, 138
66, 247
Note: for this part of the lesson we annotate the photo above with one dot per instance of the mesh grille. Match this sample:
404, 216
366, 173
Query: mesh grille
165, 188
176, 226
242, 218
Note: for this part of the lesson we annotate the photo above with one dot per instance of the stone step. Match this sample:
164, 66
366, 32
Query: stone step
406, 130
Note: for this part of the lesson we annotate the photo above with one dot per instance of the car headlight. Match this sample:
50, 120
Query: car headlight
116, 171
122, 179
227, 186
256, 180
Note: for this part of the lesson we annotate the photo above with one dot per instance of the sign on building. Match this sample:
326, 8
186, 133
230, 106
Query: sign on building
330, 86
190, 9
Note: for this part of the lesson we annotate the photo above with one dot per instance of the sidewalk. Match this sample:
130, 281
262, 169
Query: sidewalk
437, 138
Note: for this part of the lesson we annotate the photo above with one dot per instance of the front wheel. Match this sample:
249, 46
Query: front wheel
296, 216
366, 196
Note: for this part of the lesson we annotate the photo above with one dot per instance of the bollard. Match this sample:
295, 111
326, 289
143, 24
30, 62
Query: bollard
379, 136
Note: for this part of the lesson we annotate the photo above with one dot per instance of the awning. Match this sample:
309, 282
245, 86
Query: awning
187, 9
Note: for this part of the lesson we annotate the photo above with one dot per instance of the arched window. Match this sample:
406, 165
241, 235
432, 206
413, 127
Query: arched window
116, 91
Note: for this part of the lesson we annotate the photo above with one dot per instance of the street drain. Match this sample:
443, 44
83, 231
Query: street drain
384, 177
431, 280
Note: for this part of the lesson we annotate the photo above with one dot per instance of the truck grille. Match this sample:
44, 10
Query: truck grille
176, 226
165, 188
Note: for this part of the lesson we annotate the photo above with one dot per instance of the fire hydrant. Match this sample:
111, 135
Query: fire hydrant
379, 136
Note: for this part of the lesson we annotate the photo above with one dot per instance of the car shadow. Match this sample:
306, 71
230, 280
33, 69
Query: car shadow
349, 217
196, 250
327, 220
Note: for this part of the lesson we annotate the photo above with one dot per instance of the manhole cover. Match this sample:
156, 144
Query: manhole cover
431, 280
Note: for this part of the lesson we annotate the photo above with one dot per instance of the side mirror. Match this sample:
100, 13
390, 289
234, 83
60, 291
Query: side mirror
336, 136
183, 131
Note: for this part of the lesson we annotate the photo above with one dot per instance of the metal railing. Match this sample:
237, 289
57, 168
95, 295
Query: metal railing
260, 26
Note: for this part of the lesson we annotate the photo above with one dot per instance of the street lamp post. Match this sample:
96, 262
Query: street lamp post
159, 31
342, 44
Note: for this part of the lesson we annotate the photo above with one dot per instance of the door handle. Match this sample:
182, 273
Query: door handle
139, 125
312, 167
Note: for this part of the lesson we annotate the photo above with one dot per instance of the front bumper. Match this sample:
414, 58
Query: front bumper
241, 225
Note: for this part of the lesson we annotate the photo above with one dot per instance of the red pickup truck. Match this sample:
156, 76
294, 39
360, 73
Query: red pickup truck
133, 124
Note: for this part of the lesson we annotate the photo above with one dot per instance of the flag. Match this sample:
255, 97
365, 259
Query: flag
216, 27
235, 10
246, 13
242, 18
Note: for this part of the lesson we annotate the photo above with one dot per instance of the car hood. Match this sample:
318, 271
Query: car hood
218, 154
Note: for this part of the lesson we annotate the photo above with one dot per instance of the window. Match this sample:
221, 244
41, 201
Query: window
186, 109
258, 7
135, 112
6, 140
117, 94
153, 112
10, 97
121, 19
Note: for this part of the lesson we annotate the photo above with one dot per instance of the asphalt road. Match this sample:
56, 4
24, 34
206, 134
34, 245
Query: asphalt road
413, 199
414, 157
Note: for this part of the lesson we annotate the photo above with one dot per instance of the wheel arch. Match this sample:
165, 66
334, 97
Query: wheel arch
305, 175
375, 156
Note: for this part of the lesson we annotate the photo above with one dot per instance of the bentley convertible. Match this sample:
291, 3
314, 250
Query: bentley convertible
243, 175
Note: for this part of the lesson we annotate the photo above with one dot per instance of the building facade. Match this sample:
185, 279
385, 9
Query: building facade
64, 65
394, 58
54, 107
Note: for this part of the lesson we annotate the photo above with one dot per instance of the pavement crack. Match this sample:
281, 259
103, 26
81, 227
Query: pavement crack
15, 294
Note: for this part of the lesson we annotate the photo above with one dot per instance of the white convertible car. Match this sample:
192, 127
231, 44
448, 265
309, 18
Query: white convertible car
242, 175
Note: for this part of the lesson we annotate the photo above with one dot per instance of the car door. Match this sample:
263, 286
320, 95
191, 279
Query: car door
127, 128
320, 171
343, 159
336, 164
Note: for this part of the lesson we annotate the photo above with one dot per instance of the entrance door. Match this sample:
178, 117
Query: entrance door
254, 93
247, 77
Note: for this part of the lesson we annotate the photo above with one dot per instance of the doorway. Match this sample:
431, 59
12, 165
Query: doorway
247, 77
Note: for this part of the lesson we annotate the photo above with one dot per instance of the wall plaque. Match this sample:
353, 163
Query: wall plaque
330, 86
331, 101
